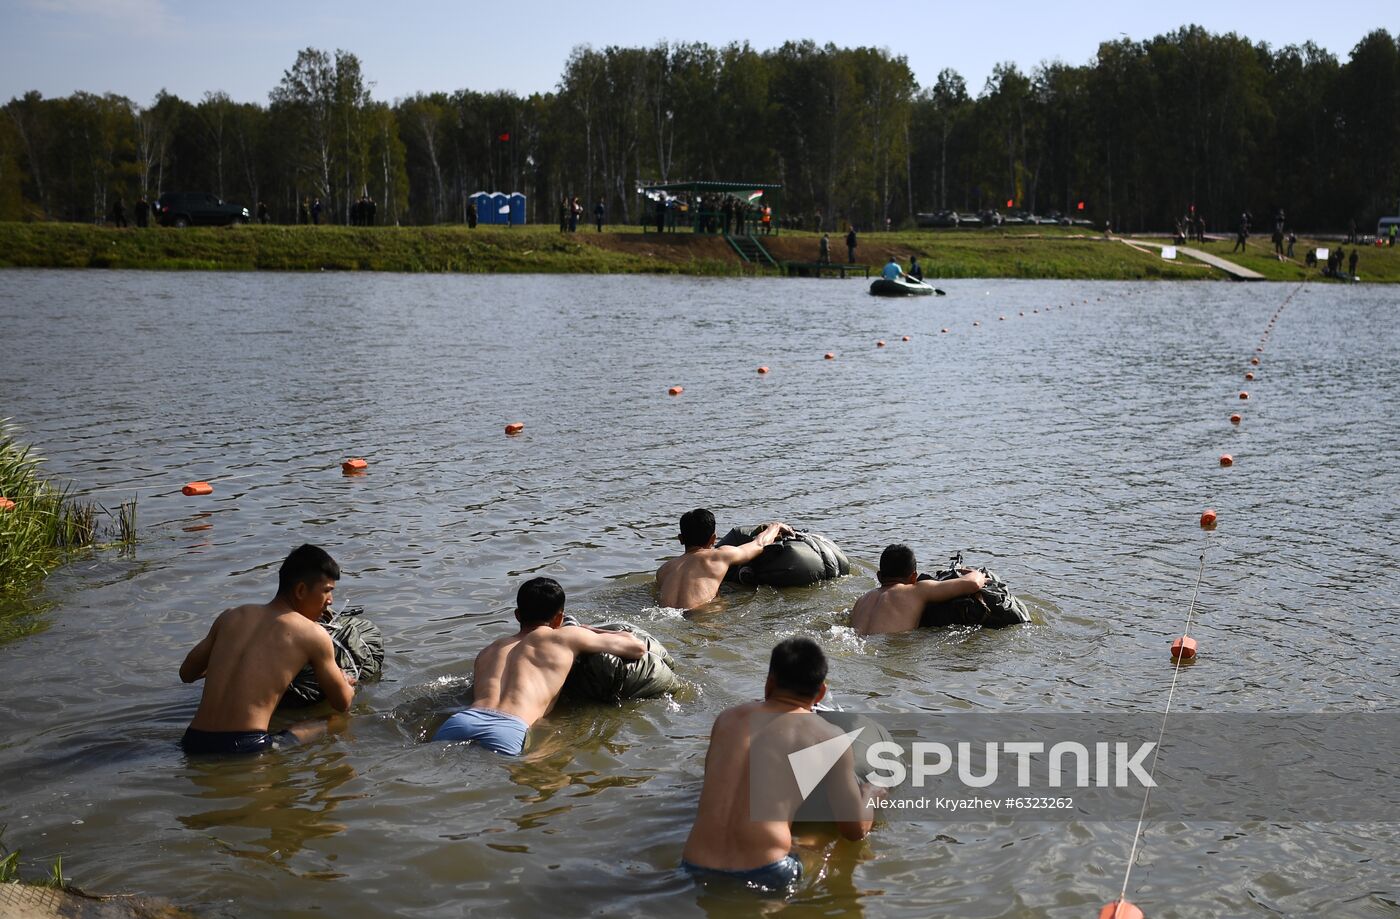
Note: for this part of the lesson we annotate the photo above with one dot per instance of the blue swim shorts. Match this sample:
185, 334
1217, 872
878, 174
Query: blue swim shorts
496, 731
206, 743
780, 877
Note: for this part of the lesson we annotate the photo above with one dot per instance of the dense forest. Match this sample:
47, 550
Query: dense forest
1139, 134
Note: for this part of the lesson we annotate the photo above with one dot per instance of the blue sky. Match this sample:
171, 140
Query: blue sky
137, 47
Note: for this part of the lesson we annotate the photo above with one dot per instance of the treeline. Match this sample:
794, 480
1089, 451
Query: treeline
1138, 135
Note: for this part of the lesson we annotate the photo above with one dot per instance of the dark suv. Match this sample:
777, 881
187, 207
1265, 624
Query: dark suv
187, 209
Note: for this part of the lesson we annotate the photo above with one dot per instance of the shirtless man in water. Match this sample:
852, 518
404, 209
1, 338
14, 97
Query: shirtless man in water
726, 840
253, 651
516, 679
898, 603
693, 579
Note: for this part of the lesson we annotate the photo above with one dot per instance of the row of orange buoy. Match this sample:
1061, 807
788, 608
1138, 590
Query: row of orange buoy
355, 466
1184, 647
831, 355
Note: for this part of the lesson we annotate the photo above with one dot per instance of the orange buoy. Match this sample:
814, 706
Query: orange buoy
763, 369
1254, 361
1184, 648
515, 427
353, 466
197, 488
676, 390
1120, 909
1208, 519
1243, 394
880, 343
829, 356
906, 338
1235, 418
1226, 459
6, 504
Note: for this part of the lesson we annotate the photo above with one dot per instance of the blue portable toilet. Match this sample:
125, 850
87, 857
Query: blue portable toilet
500, 207
482, 200
517, 208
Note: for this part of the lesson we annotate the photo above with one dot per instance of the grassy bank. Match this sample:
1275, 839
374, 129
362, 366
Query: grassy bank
1030, 252
40, 526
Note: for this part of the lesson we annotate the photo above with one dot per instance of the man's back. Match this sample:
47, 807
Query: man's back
725, 835
521, 675
254, 652
896, 608
692, 579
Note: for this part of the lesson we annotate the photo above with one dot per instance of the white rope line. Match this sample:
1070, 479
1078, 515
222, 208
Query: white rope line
1157, 750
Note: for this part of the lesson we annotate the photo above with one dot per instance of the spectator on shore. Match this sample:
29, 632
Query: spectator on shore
824, 257
1393, 228
142, 209
1241, 235
264, 217
304, 212
471, 215
1310, 260
851, 246
564, 214
1351, 265
1292, 238
1278, 243
316, 212
118, 213
599, 212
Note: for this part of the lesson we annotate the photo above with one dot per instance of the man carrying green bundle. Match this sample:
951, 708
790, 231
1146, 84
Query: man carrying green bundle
516, 679
898, 603
253, 651
693, 579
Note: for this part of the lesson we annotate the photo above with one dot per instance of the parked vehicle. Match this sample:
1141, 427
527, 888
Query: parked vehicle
197, 209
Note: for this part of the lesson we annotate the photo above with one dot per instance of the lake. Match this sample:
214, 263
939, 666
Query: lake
1071, 446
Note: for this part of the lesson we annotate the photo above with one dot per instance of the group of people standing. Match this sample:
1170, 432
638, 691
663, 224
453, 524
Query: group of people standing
571, 212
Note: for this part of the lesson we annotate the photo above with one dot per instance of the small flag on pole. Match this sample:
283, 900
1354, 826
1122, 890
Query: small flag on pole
754, 196
504, 136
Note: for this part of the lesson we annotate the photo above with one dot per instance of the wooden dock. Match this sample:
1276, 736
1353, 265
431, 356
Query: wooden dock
823, 269
1238, 272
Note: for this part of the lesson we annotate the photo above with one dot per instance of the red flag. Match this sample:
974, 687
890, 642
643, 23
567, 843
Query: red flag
1081, 205
505, 136
1010, 202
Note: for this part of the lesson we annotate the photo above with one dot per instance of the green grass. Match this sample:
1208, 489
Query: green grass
10, 865
331, 248
44, 527
1011, 252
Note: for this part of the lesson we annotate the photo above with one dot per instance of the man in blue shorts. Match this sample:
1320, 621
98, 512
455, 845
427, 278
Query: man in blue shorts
253, 651
516, 679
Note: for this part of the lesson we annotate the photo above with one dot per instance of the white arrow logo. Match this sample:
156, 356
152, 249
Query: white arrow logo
811, 764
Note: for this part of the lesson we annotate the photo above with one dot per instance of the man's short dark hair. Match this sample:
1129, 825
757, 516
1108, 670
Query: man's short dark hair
697, 527
538, 600
303, 565
799, 666
896, 564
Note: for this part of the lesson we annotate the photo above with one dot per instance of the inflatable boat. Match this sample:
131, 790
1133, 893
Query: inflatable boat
901, 287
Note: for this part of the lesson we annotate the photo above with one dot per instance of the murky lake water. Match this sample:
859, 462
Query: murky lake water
1070, 448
